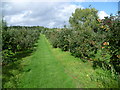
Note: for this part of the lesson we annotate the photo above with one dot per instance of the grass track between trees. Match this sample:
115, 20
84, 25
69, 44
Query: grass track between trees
50, 67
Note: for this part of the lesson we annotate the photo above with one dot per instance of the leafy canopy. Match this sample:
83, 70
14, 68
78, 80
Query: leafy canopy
84, 18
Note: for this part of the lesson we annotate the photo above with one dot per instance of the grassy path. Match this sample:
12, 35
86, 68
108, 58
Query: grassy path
44, 71
48, 67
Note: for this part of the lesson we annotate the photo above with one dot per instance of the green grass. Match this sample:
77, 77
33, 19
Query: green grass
44, 71
83, 74
50, 67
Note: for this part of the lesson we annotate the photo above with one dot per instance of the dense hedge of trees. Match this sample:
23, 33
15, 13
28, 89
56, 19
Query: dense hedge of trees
17, 42
17, 39
90, 38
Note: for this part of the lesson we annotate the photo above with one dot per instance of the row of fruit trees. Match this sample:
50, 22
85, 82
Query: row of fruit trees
90, 38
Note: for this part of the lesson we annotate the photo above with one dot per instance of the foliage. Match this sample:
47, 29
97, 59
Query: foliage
15, 39
84, 19
113, 37
17, 42
90, 38
69, 72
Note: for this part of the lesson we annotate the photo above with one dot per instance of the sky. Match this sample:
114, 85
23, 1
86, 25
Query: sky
54, 14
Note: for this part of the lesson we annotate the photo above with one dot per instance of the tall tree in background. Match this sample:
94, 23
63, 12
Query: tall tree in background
84, 18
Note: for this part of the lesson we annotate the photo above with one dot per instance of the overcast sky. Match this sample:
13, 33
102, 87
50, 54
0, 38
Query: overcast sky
49, 14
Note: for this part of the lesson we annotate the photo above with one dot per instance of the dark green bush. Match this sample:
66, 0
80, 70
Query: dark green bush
96, 40
114, 40
16, 39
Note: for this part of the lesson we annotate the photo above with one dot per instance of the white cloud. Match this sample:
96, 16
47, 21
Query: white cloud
102, 14
51, 24
65, 11
17, 18
52, 14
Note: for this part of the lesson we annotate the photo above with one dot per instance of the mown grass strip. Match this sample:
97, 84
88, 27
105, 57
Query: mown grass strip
52, 68
43, 70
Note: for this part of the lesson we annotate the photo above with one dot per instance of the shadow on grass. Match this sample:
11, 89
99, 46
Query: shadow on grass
14, 67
